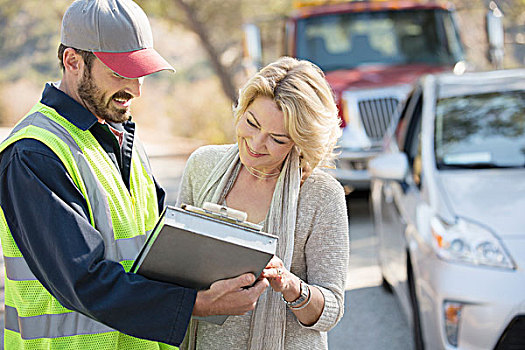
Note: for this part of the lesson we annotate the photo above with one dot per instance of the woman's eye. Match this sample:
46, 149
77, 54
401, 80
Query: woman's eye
252, 124
278, 141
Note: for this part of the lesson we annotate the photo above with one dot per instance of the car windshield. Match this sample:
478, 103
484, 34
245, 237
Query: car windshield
348, 40
481, 131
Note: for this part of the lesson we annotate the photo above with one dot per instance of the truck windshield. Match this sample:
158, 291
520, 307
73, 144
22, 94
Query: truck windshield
348, 40
481, 131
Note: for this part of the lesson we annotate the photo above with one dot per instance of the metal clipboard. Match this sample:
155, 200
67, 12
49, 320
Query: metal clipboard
194, 247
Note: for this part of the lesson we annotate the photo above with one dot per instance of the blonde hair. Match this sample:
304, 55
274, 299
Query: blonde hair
301, 92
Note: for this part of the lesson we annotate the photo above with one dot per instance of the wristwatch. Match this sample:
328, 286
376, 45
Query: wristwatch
304, 296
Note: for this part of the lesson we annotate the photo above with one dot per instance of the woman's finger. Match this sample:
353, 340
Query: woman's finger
274, 262
272, 272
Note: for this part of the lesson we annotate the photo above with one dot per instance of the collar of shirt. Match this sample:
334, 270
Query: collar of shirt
120, 151
118, 134
67, 107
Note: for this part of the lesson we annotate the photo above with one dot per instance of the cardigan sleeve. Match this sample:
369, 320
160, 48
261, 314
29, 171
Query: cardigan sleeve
327, 251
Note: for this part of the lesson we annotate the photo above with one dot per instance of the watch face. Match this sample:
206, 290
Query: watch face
305, 291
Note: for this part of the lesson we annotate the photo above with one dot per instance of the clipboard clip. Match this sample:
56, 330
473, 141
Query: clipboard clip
224, 213
224, 210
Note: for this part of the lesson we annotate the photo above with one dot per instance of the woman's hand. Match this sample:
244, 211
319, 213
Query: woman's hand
281, 280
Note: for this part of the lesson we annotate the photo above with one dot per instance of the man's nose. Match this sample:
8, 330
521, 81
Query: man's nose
135, 86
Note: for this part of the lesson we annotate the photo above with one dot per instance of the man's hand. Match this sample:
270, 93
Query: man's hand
228, 297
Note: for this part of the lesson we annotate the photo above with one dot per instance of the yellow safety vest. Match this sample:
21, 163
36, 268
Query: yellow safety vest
34, 319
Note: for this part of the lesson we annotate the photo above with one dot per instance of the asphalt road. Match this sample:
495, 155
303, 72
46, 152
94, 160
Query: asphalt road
372, 319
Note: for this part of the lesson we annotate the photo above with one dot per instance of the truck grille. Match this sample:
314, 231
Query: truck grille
514, 336
376, 114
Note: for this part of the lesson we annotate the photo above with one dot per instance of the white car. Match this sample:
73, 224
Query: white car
448, 200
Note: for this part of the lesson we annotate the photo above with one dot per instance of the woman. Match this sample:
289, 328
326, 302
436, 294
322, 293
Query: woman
286, 127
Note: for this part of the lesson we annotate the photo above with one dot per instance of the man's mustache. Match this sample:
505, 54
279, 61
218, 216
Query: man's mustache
123, 95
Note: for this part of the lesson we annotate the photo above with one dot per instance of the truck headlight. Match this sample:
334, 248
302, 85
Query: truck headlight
467, 242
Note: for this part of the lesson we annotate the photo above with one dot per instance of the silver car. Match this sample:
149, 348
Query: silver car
448, 200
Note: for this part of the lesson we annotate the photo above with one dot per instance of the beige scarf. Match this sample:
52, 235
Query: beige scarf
268, 325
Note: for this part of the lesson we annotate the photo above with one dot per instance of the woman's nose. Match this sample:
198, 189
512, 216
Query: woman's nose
258, 142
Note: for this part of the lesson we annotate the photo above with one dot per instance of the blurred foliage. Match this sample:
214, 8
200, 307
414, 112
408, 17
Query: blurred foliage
29, 32
218, 24
222, 19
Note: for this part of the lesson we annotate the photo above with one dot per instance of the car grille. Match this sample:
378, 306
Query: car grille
376, 114
514, 336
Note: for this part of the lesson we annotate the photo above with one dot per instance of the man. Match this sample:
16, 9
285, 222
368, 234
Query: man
77, 198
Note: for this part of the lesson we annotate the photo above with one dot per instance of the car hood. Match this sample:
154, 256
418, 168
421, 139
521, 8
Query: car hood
492, 197
372, 76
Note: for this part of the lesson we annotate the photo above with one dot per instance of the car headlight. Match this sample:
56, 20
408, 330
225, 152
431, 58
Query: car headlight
467, 242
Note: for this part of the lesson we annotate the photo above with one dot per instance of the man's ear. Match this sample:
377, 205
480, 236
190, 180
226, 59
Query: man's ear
73, 62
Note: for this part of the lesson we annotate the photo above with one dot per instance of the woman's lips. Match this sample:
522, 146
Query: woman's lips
252, 153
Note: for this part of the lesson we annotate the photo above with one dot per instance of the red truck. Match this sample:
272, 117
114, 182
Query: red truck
372, 52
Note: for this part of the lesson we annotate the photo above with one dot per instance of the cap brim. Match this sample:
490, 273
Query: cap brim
134, 64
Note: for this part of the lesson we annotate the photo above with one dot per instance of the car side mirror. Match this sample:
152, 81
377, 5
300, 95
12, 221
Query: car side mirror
389, 166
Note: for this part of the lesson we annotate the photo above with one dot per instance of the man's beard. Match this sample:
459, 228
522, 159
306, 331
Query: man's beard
96, 102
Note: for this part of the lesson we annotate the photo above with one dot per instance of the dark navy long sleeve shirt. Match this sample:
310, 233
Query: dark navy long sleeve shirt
49, 221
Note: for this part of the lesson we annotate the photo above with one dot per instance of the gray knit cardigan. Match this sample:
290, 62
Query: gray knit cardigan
320, 256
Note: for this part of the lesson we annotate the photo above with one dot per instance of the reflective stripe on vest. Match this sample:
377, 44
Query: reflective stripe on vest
123, 233
17, 269
57, 325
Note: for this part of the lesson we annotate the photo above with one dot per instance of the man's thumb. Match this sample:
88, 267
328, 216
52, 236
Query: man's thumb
238, 282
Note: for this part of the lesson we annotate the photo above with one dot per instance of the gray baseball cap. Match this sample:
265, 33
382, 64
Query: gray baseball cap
117, 32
